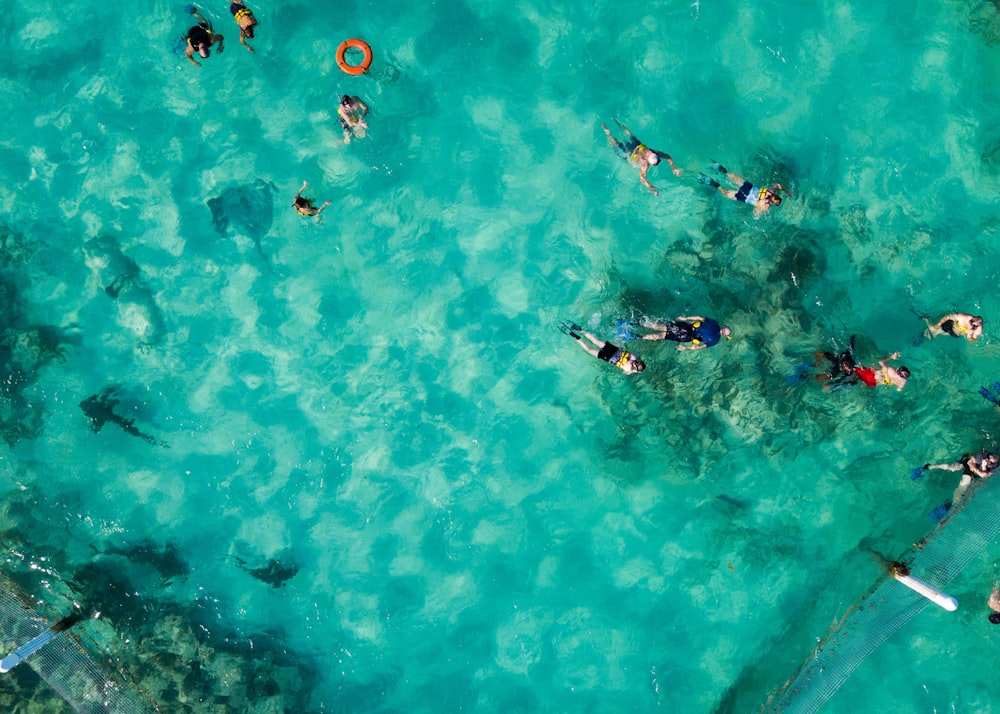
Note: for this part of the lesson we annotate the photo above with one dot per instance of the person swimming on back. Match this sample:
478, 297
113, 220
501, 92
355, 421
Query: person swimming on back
200, 38
957, 324
305, 205
351, 112
638, 154
622, 359
694, 331
245, 19
760, 198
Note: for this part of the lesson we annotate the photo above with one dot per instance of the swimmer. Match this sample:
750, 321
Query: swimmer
958, 324
351, 112
638, 154
697, 331
622, 359
245, 19
994, 605
305, 205
974, 467
842, 368
760, 198
892, 375
884, 375
200, 38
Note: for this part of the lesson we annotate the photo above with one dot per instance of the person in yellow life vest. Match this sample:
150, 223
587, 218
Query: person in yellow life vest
760, 198
638, 154
200, 38
602, 350
304, 205
694, 331
245, 19
957, 324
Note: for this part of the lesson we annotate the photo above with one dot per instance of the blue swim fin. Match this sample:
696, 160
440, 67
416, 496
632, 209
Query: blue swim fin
798, 375
988, 395
940, 512
996, 387
190, 9
917, 473
624, 331
719, 167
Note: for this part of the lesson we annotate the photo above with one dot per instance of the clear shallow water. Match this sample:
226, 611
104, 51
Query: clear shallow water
482, 517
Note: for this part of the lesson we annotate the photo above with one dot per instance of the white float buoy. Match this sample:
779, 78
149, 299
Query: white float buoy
930, 592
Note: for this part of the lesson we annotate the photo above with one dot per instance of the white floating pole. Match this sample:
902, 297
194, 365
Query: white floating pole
928, 591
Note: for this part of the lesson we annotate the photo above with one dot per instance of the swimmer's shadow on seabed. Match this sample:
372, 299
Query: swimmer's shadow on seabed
275, 573
100, 409
247, 211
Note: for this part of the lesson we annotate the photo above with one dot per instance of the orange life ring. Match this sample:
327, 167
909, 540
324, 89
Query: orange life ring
353, 69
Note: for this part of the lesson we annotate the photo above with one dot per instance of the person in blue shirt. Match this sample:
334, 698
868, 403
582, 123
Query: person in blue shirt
694, 332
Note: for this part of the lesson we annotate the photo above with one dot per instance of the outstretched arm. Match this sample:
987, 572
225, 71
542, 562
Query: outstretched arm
666, 157
642, 177
699, 346
189, 53
893, 356
689, 318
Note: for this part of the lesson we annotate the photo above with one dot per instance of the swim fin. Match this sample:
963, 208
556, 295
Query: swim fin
569, 328
190, 9
940, 512
988, 395
798, 375
996, 387
708, 181
624, 331
719, 167
917, 473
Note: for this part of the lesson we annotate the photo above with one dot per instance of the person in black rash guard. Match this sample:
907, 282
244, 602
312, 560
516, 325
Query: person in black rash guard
602, 350
200, 38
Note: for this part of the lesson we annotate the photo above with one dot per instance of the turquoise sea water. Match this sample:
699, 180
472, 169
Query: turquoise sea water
483, 518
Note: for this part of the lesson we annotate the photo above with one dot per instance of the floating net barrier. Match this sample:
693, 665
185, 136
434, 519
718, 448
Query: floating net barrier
65, 656
970, 525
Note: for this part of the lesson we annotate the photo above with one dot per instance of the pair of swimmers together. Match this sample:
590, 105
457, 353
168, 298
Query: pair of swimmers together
643, 157
844, 371
693, 332
201, 37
